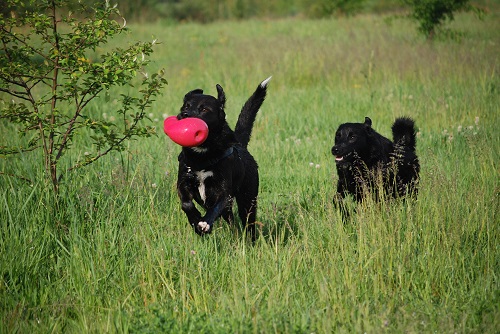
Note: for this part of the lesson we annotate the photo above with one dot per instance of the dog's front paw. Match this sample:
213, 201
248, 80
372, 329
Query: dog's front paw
204, 227
338, 200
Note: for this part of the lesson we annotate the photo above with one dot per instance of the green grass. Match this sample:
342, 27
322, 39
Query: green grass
117, 255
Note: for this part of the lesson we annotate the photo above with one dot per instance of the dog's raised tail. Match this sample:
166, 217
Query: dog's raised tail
243, 129
404, 133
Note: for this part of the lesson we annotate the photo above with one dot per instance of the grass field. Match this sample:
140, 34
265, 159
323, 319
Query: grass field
118, 256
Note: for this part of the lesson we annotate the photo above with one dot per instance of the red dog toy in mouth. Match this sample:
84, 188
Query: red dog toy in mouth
187, 132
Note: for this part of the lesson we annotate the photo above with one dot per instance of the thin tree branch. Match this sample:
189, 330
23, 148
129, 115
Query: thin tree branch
70, 129
16, 94
19, 149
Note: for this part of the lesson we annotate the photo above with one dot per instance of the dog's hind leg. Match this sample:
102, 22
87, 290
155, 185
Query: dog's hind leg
247, 211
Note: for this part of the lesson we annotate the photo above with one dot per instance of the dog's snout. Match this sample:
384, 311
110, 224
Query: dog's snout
183, 114
335, 150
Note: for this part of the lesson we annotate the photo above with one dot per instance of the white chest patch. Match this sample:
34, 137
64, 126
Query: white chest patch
201, 176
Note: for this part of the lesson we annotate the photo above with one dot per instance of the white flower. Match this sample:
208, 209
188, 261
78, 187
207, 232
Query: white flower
311, 164
153, 185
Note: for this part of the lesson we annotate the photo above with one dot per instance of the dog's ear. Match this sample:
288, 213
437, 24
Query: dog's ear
193, 92
368, 125
221, 96
368, 121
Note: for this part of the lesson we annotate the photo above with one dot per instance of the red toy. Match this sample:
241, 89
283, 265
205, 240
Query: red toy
187, 132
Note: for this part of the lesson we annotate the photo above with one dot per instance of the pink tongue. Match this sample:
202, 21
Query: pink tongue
340, 158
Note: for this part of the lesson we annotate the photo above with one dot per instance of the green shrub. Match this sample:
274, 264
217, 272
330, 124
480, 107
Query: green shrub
432, 14
49, 78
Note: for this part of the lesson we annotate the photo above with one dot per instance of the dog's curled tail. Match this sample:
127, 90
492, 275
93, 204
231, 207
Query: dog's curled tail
243, 129
404, 134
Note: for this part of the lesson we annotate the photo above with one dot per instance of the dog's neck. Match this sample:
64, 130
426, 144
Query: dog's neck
203, 159
218, 146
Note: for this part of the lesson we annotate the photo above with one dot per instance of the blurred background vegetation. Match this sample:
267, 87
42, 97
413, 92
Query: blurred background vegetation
212, 10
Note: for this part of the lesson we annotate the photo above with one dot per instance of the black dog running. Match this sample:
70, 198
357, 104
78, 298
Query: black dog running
221, 169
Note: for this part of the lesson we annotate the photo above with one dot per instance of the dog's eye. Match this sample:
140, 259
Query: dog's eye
204, 109
352, 137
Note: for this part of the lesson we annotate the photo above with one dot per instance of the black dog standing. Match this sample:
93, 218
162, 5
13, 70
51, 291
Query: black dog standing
221, 169
366, 159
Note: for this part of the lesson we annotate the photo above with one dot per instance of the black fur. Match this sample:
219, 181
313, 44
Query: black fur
365, 159
221, 169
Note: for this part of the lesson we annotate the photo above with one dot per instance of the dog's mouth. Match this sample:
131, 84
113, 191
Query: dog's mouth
343, 159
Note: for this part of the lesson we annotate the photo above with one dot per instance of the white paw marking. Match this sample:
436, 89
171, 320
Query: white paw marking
264, 83
204, 226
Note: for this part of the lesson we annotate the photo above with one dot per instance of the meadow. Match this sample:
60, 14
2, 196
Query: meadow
116, 255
